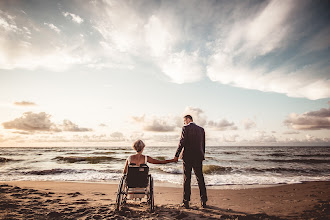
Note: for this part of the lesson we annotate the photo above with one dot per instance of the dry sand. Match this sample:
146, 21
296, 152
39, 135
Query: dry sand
71, 200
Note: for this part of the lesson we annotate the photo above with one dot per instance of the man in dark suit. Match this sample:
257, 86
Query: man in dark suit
192, 143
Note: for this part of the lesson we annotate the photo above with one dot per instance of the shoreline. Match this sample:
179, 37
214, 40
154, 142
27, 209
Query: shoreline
49, 198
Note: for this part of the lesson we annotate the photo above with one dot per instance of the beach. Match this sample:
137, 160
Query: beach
76, 200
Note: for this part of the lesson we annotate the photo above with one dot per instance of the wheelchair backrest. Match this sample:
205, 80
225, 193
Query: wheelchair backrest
137, 176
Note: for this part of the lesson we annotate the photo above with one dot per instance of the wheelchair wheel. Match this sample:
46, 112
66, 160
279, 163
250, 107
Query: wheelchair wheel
151, 194
121, 193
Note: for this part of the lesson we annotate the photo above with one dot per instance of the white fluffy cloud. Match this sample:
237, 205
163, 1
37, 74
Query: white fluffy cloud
248, 124
53, 27
268, 46
269, 31
75, 18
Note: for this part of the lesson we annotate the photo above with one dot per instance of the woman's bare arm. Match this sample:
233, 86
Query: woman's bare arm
125, 169
155, 161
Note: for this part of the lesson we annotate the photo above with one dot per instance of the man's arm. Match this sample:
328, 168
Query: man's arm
181, 143
204, 142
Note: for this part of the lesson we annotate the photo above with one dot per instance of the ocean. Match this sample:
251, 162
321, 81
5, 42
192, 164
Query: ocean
232, 166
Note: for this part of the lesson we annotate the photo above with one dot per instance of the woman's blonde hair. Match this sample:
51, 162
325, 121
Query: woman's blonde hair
138, 145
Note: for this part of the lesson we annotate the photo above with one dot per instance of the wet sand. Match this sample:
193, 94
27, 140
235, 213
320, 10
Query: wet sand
72, 200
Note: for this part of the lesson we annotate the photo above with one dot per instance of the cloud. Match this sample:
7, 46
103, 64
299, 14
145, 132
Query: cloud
156, 123
138, 119
70, 126
92, 138
311, 138
248, 124
229, 138
103, 125
7, 22
272, 46
117, 136
247, 56
31, 43
222, 125
40, 122
166, 138
291, 132
263, 137
182, 67
314, 120
31, 122
197, 114
53, 27
25, 103
74, 17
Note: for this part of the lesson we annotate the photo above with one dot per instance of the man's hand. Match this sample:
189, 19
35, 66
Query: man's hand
175, 159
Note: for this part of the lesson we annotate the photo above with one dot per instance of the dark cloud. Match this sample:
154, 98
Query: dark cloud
158, 125
25, 103
222, 125
314, 120
33, 122
70, 126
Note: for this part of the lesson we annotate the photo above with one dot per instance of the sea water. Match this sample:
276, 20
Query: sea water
244, 165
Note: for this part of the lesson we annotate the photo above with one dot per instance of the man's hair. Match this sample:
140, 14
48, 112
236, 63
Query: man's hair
188, 116
138, 145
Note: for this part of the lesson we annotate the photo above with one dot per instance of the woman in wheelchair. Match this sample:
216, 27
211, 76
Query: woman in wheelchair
138, 158
136, 182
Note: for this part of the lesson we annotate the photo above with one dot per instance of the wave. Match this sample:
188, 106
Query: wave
92, 160
277, 155
312, 155
49, 172
309, 161
286, 170
5, 160
231, 153
170, 170
108, 152
212, 169
160, 158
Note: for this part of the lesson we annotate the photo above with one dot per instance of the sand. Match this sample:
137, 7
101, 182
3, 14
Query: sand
72, 200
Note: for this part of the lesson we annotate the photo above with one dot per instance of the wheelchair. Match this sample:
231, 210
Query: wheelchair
137, 183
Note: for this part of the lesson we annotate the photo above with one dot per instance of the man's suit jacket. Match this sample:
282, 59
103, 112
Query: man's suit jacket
192, 142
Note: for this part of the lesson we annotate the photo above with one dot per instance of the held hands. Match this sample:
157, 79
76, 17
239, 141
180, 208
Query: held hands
175, 159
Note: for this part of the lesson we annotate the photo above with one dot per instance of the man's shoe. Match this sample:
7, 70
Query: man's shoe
203, 204
185, 205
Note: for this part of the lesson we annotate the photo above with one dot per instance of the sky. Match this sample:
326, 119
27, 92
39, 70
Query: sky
106, 73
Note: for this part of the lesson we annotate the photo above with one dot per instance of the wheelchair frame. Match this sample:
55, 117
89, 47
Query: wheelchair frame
123, 192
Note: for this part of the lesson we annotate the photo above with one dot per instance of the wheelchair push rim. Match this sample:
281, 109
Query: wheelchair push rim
121, 193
